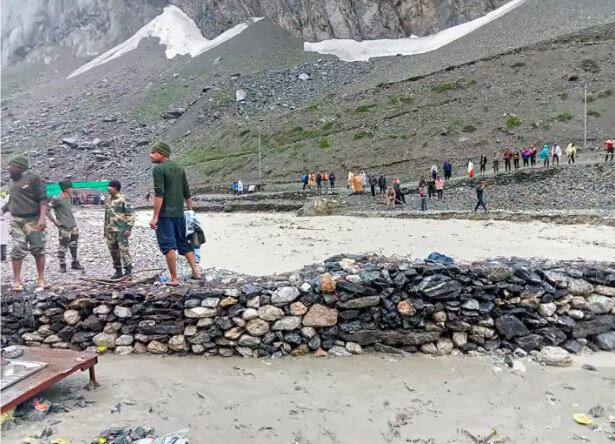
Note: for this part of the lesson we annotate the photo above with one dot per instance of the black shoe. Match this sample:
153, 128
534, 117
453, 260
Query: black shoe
75, 265
128, 271
118, 273
62, 268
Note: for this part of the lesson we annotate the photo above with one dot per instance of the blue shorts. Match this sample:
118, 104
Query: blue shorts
171, 235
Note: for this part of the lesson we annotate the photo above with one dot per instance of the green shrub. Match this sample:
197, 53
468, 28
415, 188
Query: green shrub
324, 142
469, 129
327, 126
593, 113
244, 132
407, 100
564, 117
513, 122
312, 107
363, 134
518, 65
605, 93
443, 87
563, 96
363, 108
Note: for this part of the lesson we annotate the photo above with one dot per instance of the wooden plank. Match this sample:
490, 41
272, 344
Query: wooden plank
60, 364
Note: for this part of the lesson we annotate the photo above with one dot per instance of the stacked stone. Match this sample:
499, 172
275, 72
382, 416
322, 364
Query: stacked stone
339, 307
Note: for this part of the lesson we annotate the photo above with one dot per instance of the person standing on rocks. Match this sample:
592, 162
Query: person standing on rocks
571, 151
372, 184
448, 169
171, 191
28, 207
470, 168
332, 179
525, 155
399, 194
318, 181
496, 163
423, 197
440, 187
516, 157
544, 156
382, 183
533, 155
507, 158
556, 154
119, 220
304, 180
431, 188
480, 196
609, 146
434, 171
68, 233
483, 164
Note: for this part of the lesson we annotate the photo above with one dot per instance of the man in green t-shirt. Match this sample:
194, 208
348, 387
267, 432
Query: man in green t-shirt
28, 207
68, 233
171, 191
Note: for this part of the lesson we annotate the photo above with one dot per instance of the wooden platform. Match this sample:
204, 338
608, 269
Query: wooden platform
60, 364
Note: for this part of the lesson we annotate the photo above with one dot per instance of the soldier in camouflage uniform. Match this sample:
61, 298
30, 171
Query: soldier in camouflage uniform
68, 233
119, 220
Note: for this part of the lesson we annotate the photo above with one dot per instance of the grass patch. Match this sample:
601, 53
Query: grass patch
393, 100
312, 107
324, 143
383, 85
442, 87
469, 129
518, 65
406, 100
563, 96
327, 126
513, 122
564, 117
594, 113
244, 132
159, 99
363, 134
590, 66
363, 108
605, 93
204, 154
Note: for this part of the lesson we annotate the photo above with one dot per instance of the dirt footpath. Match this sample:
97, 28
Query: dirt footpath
368, 398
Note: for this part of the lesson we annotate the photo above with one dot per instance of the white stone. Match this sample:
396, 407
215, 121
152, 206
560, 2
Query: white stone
547, 309
444, 346
555, 356
599, 304
288, 323
249, 313
71, 317
122, 312
305, 287
284, 295
190, 330
105, 340
460, 339
270, 313
200, 312
124, 340
177, 343
123, 350
102, 310
354, 348
210, 302
471, 304
255, 302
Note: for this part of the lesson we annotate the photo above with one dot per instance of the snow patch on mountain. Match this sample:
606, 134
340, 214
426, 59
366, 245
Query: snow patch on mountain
352, 50
176, 30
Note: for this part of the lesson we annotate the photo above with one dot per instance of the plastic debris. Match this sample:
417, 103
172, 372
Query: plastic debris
582, 418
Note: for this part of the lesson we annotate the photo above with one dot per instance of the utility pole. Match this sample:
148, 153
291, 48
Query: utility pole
585, 117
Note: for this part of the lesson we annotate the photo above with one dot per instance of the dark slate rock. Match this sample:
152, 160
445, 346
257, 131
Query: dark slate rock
438, 287
293, 338
199, 338
192, 303
349, 287
606, 341
390, 337
596, 326
572, 346
510, 327
93, 323
552, 335
529, 342
367, 301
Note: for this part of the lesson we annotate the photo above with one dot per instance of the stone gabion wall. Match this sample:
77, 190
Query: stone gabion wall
340, 307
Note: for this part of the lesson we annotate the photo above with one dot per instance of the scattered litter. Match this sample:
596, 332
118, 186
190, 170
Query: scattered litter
582, 418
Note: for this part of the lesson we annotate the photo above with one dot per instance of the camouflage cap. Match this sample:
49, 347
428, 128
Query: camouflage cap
66, 184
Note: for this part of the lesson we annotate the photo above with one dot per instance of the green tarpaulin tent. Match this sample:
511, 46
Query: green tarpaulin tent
53, 189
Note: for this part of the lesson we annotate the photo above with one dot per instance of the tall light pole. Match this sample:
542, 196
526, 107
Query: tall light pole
585, 117
260, 171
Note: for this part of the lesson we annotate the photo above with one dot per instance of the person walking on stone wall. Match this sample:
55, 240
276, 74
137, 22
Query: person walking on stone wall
119, 220
571, 151
5, 230
68, 233
480, 196
28, 207
171, 191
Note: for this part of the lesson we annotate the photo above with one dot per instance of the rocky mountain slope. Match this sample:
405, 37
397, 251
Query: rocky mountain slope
85, 27
502, 85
